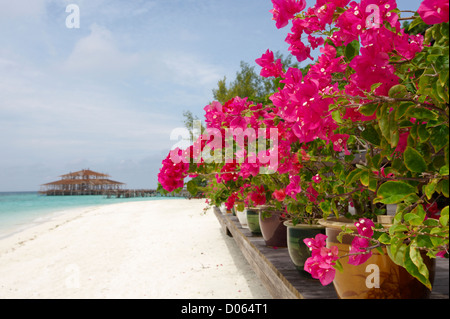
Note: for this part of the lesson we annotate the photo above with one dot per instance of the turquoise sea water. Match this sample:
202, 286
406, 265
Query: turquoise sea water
20, 210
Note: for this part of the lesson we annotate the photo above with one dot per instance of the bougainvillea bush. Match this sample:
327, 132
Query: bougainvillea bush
366, 126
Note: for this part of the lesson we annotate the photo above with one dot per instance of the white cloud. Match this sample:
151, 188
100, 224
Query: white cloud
189, 70
29, 9
99, 52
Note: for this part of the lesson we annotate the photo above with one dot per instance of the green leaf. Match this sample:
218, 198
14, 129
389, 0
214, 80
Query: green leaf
423, 133
384, 239
352, 50
373, 184
443, 77
338, 266
444, 185
414, 162
416, 267
384, 123
393, 192
364, 178
368, 109
439, 137
446, 157
444, 170
430, 188
444, 216
421, 113
397, 228
353, 176
416, 216
192, 187
398, 91
424, 241
417, 21
402, 108
393, 131
336, 115
240, 207
397, 252
325, 206
371, 135
375, 86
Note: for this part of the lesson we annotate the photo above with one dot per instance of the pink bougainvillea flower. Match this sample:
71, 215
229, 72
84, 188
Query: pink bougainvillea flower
231, 201
354, 115
340, 143
316, 178
434, 11
284, 10
365, 227
258, 195
325, 12
432, 210
229, 172
270, 67
315, 41
173, 171
321, 264
383, 173
305, 156
358, 248
311, 193
279, 194
408, 45
298, 48
317, 242
402, 142
294, 186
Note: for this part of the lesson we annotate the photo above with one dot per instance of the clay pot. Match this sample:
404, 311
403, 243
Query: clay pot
298, 251
358, 282
253, 221
273, 230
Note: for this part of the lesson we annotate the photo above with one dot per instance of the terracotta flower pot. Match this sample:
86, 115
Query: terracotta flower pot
253, 220
298, 251
379, 277
273, 230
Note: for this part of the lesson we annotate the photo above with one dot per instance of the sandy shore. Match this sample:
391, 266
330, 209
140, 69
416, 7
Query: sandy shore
152, 249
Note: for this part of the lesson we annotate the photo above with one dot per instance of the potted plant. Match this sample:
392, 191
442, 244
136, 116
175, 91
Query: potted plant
376, 88
364, 127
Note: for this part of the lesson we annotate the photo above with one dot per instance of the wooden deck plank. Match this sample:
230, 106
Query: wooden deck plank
273, 266
279, 275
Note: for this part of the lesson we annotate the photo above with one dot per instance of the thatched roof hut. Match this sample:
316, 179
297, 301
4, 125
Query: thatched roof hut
84, 182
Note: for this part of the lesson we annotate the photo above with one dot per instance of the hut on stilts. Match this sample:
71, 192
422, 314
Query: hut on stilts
84, 182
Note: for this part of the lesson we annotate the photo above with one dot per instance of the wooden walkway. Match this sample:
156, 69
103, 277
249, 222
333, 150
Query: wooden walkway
117, 193
279, 275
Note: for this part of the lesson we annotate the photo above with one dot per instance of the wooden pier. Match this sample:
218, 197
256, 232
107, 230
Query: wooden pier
279, 275
114, 193
130, 193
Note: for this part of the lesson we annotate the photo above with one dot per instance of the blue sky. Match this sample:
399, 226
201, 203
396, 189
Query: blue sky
106, 96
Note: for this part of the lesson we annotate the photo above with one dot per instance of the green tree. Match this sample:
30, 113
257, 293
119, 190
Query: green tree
248, 83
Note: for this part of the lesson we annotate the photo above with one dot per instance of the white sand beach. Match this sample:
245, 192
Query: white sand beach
150, 249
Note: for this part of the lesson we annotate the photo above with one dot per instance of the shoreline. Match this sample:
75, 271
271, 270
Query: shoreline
165, 249
48, 213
